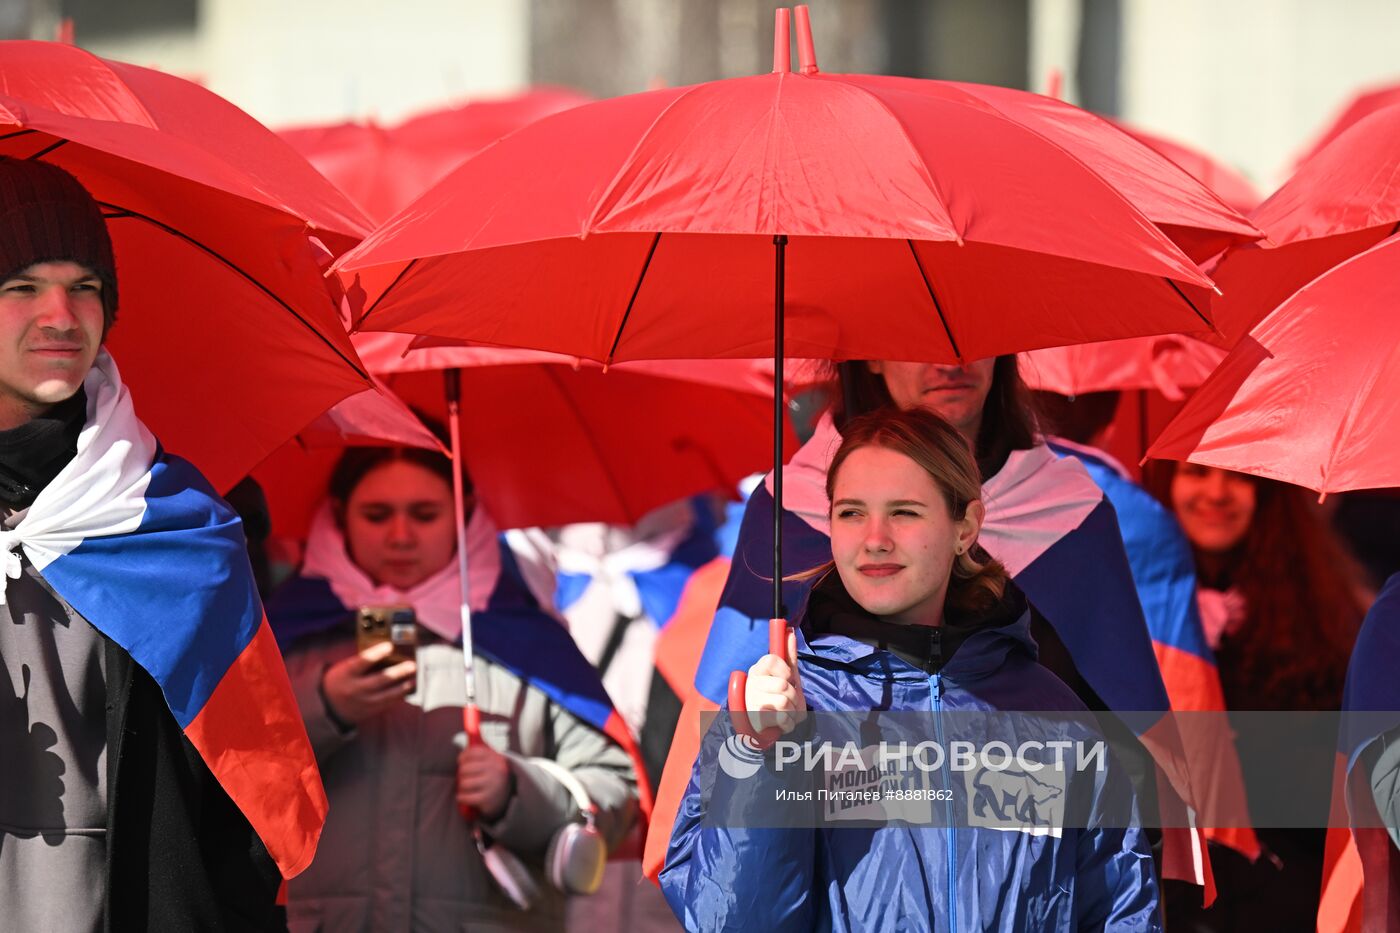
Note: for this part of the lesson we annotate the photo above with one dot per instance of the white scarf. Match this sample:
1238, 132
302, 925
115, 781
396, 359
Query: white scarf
436, 601
102, 490
1031, 502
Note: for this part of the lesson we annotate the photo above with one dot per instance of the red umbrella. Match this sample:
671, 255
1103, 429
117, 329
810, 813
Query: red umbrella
633, 438
1343, 200
973, 234
227, 331
383, 169
924, 219
1169, 364
1312, 395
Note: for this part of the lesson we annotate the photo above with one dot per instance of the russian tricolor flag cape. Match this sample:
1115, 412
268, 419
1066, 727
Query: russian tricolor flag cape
137, 543
1164, 574
1047, 522
1361, 871
509, 627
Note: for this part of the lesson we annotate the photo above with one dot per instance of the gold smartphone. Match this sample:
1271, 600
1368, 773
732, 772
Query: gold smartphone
397, 625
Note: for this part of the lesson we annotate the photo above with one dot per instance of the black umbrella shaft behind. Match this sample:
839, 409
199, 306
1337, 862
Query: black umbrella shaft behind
779, 413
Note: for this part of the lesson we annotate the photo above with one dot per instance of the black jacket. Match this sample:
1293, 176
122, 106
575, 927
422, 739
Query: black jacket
180, 855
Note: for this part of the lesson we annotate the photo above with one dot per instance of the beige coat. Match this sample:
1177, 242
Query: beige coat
396, 856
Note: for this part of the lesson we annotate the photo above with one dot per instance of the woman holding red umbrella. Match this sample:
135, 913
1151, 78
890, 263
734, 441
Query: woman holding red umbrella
910, 617
386, 718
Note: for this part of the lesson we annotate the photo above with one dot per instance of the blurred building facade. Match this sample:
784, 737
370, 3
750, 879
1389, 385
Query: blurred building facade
1250, 81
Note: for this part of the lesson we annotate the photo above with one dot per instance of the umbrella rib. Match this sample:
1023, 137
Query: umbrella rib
46, 150
122, 212
384, 294
1192, 305
937, 305
636, 290
1353, 412
16, 134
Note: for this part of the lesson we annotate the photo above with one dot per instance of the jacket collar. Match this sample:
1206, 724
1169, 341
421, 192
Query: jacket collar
966, 647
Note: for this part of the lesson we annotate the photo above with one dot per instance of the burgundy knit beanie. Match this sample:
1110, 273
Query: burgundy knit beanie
46, 215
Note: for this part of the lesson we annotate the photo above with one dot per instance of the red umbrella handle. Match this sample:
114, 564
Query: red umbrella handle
471, 720
738, 685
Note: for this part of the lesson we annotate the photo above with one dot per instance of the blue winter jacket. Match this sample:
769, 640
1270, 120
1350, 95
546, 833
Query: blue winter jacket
901, 875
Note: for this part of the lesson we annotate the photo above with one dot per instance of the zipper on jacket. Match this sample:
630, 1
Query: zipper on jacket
937, 682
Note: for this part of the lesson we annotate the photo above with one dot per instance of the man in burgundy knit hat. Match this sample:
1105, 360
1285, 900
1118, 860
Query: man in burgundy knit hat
109, 819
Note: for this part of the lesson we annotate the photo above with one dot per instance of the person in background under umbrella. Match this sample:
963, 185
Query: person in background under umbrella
126, 579
1281, 603
1165, 575
910, 616
618, 589
398, 855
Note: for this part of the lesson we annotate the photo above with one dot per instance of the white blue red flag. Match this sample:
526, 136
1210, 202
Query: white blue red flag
137, 543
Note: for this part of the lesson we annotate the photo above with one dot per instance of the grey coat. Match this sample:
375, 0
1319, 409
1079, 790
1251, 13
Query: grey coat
395, 854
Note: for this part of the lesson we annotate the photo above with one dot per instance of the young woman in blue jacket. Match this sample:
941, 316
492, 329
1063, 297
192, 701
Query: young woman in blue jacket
911, 616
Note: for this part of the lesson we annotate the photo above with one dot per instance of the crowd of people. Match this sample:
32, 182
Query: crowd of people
954, 544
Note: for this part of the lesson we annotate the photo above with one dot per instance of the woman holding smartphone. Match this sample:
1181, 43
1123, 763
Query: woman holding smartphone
911, 617
386, 721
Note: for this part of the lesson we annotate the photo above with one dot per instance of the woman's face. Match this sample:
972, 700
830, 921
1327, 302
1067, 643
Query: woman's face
1214, 506
892, 538
954, 393
399, 525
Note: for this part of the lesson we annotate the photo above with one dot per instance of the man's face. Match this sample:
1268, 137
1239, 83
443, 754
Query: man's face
954, 393
51, 323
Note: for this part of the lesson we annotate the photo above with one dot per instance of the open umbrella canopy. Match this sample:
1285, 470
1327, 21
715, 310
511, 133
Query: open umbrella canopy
1312, 395
923, 220
1168, 363
548, 440
384, 168
227, 332
1341, 201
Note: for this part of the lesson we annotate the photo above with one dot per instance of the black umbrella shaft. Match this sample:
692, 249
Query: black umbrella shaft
780, 245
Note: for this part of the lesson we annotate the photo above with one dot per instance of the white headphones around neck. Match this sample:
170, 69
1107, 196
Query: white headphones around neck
577, 854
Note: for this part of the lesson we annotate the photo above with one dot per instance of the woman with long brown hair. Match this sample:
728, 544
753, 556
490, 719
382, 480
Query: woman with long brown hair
1281, 598
1281, 602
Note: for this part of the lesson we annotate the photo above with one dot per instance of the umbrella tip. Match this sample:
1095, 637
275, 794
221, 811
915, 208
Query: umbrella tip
806, 51
782, 40
1055, 84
